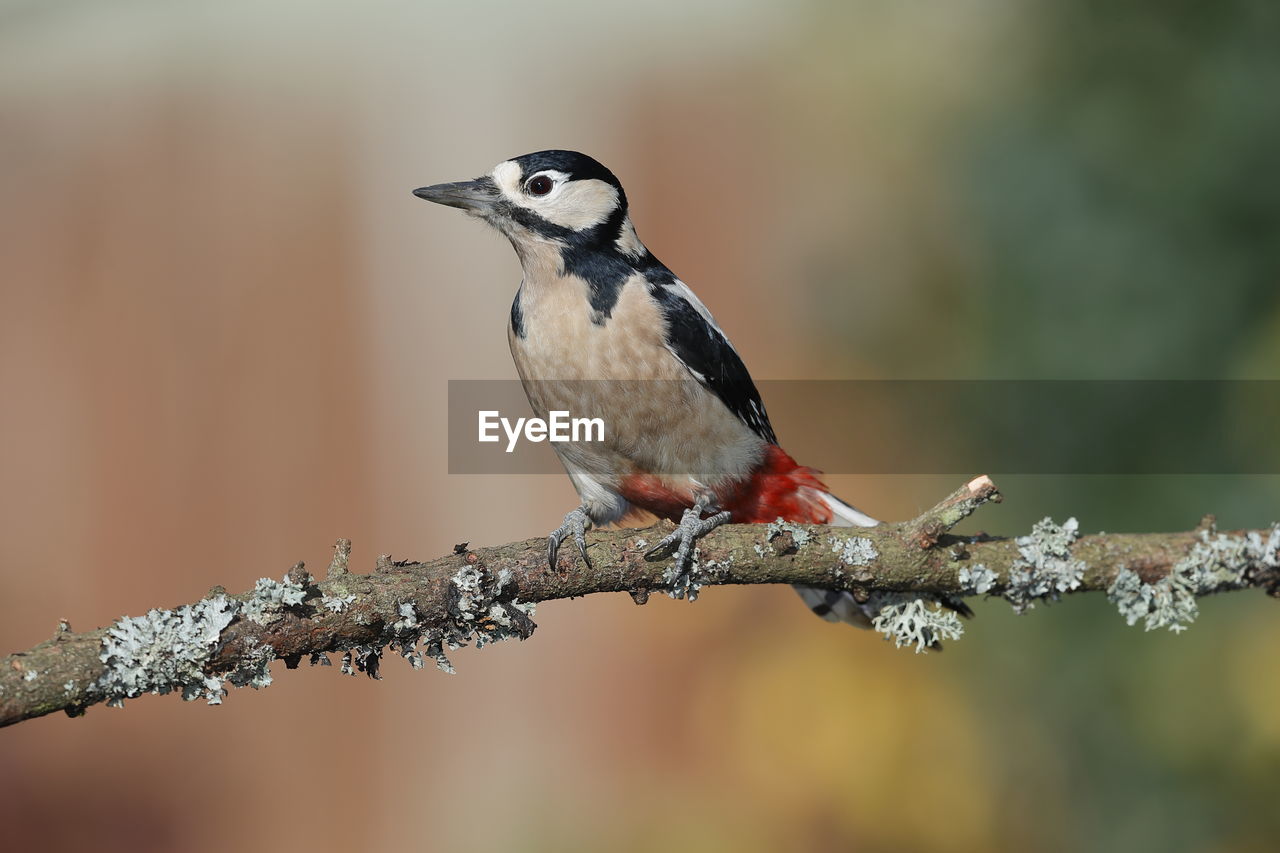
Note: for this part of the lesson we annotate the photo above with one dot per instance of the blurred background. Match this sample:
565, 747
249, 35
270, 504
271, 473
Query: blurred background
226, 329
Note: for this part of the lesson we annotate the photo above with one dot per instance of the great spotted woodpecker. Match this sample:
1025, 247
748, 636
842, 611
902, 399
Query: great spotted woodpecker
599, 325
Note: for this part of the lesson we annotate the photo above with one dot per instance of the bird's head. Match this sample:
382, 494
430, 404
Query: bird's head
561, 198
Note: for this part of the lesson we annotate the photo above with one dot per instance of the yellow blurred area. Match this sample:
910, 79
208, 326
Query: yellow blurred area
866, 732
227, 328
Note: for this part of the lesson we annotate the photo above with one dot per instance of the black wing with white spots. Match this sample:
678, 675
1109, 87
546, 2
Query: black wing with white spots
706, 353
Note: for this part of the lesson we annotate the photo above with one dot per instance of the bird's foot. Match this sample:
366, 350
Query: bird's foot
681, 542
576, 524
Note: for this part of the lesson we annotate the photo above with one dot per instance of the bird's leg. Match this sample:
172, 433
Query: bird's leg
681, 543
576, 524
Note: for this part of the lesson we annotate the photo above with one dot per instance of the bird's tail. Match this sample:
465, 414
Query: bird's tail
830, 604
844, 515
782, 489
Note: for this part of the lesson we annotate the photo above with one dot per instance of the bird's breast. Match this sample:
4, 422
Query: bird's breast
657, 418
565, 338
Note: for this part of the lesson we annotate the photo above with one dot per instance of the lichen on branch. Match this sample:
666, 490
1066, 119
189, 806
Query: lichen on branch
914, 575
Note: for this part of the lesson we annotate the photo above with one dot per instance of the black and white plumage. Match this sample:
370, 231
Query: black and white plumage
601, 328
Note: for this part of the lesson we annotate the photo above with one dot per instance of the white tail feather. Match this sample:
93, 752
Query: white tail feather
839, 606
843, 515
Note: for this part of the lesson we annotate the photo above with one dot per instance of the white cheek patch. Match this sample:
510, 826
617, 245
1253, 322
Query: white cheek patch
576, 205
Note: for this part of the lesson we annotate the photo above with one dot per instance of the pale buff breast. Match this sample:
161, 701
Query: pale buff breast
658, 419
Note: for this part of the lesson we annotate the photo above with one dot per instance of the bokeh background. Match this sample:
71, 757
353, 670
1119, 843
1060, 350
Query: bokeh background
226, 330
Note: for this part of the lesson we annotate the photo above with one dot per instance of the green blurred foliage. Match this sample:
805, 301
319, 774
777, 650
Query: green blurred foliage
1111, 211
1126, 197
1128, 210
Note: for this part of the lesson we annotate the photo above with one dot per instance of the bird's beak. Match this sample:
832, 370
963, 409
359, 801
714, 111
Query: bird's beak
477, 197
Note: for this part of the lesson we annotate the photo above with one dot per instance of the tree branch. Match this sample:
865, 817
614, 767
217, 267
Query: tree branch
423, 610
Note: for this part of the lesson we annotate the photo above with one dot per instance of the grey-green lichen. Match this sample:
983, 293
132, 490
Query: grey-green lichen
682, 582
688, 584
699, 574
479, 609
1168, 603
164, 651
478, 612
910, 621
469, 586
408, 620
503, 622
854, 551
363, 658
1268, 550
406, 633
1045, 567
167, 650
337, 603
798, 534
1214, 563
270, 598
977, 579
253, 668
368, 659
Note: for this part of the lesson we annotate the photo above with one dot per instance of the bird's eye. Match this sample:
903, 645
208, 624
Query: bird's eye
541, 185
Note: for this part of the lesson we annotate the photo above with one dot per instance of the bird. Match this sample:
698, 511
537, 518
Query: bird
599, 324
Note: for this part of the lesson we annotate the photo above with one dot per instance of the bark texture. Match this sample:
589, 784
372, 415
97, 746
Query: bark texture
422, 610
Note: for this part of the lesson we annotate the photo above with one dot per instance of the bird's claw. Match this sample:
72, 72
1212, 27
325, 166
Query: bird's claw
681, 542
575, 525
668, 546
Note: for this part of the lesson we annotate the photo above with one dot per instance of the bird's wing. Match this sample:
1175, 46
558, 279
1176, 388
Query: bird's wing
704, 350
